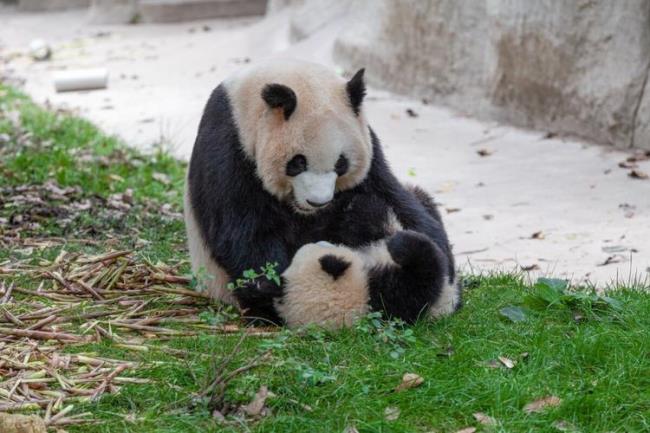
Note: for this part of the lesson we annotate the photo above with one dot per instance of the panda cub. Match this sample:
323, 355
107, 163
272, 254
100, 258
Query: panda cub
393, 276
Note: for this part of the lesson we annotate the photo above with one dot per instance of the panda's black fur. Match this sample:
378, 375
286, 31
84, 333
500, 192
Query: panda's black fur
243, 226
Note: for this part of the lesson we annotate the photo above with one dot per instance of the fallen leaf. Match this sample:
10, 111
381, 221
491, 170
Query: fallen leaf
411, 113
391, 413
492, 363
616, 258
612, 249
565, 426
484, 419
542, 403
467, 430
256, 406
643, 156
627, 164
218, 417
162, 178
409, 380
637, 174
484, 152
538, 235
452, 209
515, 314
529, 268
507, 362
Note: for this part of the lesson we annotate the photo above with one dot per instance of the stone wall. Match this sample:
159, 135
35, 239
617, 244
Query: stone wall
577, 67
148, 11
51, 5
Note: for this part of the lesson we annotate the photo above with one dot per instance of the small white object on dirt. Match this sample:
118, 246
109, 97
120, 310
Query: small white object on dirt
80, 79
40, 50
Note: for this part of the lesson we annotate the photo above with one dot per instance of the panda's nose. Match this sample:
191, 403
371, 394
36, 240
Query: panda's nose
316, 204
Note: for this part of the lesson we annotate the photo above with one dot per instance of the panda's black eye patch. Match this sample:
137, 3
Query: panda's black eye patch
333, 265
342, 165
297, 165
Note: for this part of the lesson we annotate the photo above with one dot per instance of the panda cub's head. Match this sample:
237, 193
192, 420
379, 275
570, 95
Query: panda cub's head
304, 128
337, 282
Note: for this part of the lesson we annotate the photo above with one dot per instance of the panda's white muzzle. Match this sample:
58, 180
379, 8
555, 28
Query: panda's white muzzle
312, 191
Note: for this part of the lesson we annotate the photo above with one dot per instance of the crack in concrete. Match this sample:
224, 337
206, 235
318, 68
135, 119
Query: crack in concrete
635, 114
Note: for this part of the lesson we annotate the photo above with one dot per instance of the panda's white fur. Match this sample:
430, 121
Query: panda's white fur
313, 296
214, 277
322, 127
448, 302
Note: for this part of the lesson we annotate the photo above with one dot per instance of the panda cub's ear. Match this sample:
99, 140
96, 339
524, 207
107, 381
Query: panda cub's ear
280, 96
333, 265
356, 89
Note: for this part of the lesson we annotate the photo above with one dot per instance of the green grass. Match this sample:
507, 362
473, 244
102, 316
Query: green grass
593, 355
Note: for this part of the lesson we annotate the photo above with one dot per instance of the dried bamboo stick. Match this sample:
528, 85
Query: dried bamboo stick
41, 335
105, 257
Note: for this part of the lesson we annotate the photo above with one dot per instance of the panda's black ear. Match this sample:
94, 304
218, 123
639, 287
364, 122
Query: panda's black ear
280, 96
333, 265
356, 89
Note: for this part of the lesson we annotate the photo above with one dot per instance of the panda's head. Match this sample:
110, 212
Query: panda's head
325, 285
304, 128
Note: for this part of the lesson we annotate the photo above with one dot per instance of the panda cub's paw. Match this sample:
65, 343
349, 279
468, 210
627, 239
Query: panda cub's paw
409, 248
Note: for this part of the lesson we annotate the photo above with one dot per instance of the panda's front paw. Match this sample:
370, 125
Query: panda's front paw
257, 289
256, 301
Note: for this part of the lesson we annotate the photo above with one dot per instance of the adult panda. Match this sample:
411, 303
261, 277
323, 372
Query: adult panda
284, 157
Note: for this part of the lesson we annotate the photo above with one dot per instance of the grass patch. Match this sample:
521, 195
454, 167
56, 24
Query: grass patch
590, 352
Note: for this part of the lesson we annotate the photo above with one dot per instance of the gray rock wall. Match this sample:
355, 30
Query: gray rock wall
578, 67
51, 5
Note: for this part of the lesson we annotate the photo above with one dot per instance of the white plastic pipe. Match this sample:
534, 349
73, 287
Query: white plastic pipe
80, 79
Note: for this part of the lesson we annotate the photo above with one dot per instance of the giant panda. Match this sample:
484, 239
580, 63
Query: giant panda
397, 277
284, 157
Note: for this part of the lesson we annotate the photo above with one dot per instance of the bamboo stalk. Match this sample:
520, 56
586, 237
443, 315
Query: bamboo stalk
105, 257
89, 289
183, 292
41, 323
100, 389
41, 335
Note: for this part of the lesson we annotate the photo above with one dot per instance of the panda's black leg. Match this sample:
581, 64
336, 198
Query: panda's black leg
256, 300
407, 291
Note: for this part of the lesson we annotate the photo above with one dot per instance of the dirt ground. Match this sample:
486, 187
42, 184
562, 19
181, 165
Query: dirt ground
512, 199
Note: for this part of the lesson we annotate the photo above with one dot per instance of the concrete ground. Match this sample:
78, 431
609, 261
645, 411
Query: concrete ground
511, 199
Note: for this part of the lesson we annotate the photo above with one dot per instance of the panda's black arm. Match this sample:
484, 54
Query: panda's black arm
407, 291
255, 298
